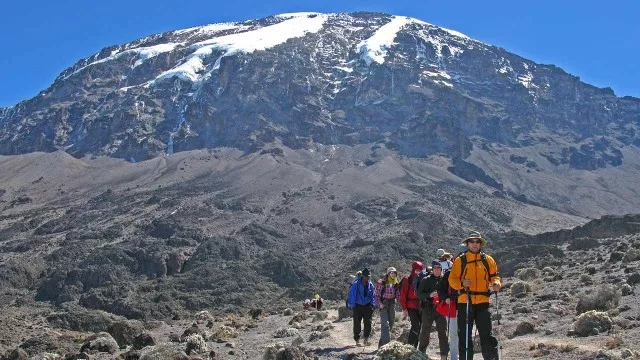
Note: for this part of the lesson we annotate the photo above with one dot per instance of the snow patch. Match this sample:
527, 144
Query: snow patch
147, 53
244, 42
210, 28
437, 74
374, 49
144, 54
343, 68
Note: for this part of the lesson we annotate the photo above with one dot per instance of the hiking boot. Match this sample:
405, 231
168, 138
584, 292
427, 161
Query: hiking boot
358, 343
367, 342
443, 357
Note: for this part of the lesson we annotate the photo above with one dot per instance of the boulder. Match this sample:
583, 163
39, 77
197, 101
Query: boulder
100, 342
143, 340
524, 328
125, 331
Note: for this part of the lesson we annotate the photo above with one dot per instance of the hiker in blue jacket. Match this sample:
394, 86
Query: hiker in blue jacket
361, 302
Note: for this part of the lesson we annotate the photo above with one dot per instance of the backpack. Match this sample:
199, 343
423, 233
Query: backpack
483, 258
416, 281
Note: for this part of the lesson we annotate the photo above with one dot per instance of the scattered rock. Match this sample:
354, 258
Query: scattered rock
143, 340
287, 312
100, 342
317, 335
616, 256
521, 309
631, 255
320, 315
524, 328
590, 320
125, 331
626, 289
132, 355
633, 279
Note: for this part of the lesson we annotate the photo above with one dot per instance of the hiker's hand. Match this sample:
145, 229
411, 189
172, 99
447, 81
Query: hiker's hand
466, 283
448, 301
381, 305
496, 287
405, 314
433, 294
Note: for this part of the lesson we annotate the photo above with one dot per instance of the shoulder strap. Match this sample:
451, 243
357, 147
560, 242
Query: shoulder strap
463, 263
483, 257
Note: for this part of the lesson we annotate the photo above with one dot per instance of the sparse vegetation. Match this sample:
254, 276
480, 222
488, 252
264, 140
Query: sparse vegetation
592, 322
604, 298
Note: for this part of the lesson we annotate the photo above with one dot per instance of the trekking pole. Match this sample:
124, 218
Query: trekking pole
466, 324
448, 319
498, 329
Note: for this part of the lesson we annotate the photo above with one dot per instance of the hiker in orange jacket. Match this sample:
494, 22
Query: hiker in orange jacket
411, 303
476, 273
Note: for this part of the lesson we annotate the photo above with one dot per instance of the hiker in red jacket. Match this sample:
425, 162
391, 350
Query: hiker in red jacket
411, 303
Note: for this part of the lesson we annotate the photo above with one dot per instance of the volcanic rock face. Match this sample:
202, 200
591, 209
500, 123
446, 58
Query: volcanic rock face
326, 78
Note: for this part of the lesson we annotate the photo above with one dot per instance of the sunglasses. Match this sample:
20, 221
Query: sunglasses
475, 241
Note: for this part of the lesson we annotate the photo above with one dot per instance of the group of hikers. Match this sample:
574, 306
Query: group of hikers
452, 292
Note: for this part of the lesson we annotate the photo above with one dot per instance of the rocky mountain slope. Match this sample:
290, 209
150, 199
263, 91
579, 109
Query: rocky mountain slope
577, 301
526, 129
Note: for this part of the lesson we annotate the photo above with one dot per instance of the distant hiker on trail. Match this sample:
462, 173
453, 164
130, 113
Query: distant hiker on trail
386, 292
448, 308
445, 260
476, 274
428, 294
411, 303
306, 305
317, 302
361, 302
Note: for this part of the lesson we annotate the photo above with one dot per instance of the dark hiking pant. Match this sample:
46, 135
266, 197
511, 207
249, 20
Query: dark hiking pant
414, 332
429, 315
362, 313
387, 319
482, 317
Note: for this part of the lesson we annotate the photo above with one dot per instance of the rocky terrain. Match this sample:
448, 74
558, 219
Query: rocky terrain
238, 168
576, 300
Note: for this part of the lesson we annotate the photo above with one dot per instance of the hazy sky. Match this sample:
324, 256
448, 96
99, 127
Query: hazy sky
598, 41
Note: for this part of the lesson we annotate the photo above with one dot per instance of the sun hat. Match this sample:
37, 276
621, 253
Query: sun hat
475, 235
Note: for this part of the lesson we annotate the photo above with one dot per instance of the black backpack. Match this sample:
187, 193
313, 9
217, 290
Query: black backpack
483, 259
416, 281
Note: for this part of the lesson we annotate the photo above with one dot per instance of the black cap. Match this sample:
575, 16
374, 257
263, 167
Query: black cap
366, 272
